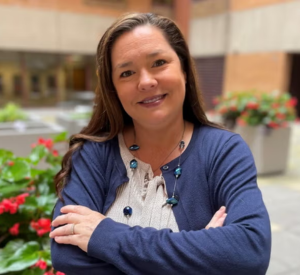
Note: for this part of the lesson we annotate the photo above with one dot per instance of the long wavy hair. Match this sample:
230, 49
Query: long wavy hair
109, 117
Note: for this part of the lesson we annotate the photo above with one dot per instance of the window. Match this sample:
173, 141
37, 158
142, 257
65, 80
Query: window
1, 84
51, 85
17, 85
35, 86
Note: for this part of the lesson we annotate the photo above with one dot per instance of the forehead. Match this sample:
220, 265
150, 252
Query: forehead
141, 40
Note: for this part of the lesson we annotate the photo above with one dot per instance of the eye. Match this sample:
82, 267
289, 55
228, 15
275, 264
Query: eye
126, 74
159, 62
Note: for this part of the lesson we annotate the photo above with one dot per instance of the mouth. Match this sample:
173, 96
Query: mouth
153, 99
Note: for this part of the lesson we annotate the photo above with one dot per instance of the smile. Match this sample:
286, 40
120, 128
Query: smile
153, 100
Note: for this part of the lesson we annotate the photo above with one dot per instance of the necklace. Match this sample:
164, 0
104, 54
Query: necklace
177, 172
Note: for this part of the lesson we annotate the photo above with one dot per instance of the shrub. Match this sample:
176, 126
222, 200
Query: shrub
12, 112
253, 108
27, 198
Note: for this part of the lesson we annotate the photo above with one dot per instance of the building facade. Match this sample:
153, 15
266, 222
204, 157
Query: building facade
47, 47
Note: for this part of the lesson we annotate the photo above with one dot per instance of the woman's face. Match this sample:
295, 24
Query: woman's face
148, 77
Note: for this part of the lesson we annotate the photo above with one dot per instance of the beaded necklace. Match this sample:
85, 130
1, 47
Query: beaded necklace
177, 173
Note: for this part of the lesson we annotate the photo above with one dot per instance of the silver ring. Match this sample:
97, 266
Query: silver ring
72, 229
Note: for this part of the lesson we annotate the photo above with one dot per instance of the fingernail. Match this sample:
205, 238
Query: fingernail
222, 207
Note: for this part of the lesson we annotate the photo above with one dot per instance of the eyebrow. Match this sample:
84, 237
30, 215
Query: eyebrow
128, 63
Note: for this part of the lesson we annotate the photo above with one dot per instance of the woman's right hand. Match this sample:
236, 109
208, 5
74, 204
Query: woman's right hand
218, 218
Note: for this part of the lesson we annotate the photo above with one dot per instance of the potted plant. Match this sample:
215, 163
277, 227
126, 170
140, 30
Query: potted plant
27, 198
262, 119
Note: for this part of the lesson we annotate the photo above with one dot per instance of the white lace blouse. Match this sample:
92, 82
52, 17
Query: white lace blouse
144, 193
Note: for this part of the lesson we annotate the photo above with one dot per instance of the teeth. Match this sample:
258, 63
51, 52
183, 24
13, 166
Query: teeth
152, 100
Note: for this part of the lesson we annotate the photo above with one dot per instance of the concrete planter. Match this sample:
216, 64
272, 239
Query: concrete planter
72, 126
18, 136
74, 121
270, 147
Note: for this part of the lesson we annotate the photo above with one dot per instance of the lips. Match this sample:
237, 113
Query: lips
152, 99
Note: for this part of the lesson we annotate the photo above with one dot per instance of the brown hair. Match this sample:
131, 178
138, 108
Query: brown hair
109, 117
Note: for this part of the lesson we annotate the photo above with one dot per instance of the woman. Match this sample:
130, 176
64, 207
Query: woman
149, 171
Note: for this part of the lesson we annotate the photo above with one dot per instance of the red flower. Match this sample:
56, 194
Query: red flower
21, 198
43, 222
55, 153
41, 264
48, 143
59, 273
233, 108
275, 105
252, 105
42, 226
10, 163
280, 116
13, 208
50, 273
273, 125
2, 209
223, 110
14, 230
33, 145
292, 102
241, 122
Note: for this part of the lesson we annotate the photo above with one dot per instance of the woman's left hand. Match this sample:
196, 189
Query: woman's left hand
76, 226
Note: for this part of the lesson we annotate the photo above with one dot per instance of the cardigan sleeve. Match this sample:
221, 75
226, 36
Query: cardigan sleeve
241, 246
86, 186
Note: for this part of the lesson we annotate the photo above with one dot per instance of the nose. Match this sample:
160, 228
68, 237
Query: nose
147, 82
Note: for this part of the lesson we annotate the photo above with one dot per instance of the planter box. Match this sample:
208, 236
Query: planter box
72, 126
18, 136
75, 120
270, 147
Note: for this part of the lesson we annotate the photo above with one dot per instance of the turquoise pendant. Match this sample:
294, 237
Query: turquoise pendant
134, 147
177, 172
172, 201
133, 164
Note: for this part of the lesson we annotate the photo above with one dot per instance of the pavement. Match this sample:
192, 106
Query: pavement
281, 195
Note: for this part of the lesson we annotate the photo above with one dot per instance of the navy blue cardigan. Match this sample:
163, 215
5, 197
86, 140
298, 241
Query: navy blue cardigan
218, 169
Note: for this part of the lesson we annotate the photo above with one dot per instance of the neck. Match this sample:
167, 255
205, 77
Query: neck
160, 137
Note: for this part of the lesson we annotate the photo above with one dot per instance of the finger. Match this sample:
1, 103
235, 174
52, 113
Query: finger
220, 221
65, 230
67, 218
70, 239
82, 210
216, 217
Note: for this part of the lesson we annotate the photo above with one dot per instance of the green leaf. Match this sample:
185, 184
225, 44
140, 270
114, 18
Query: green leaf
5, 155
38, 153
17, 172
11, 189
22, 258
33, 271
61, 137
10, 248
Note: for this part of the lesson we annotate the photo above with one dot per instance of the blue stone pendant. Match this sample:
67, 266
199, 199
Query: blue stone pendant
134, 147
127, 211
177, 172
172, 201
133, 164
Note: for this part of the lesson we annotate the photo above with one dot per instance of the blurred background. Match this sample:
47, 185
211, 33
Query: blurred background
47, 67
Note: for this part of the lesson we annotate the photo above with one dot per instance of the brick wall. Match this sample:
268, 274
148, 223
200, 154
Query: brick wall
261, 71
237, 5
